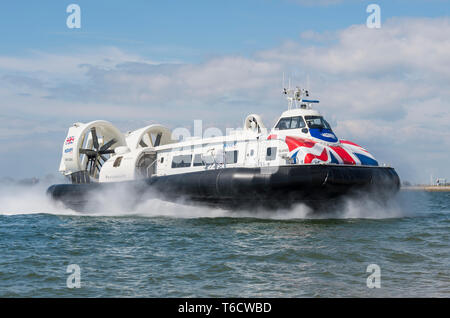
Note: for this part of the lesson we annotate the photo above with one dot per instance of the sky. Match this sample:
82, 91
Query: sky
173, 62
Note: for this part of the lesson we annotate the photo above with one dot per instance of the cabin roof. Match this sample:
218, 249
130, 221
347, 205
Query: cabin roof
300, 112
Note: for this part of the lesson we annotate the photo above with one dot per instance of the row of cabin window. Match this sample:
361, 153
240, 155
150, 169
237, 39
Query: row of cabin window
184, 161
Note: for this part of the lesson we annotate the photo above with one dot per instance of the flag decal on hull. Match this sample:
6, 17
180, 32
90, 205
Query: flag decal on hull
307, 151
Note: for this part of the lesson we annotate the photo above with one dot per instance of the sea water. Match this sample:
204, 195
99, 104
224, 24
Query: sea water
174, 249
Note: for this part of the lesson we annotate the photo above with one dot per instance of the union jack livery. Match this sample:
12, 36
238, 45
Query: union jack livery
299, 160
307, 151
70, 140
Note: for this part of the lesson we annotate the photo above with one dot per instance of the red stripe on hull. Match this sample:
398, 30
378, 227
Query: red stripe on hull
295, 142
323, 156
344, 155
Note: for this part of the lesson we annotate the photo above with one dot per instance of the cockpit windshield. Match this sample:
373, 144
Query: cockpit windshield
317, 122
291, 123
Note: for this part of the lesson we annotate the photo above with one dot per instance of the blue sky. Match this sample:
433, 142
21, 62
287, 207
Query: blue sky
186, 30
382, 88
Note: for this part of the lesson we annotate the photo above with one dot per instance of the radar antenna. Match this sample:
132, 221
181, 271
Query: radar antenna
295, 98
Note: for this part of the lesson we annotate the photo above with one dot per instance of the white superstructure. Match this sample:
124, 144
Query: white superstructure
99, 152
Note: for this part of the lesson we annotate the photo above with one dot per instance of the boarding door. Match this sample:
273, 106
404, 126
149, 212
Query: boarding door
251, 154
146, 165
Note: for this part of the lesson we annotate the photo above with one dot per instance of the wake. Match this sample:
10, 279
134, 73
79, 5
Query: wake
116, 202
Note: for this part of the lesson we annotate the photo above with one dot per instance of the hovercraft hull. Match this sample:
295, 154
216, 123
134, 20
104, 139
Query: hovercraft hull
251, 188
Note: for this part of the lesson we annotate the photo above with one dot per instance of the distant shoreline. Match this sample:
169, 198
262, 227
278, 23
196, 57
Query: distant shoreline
427, 188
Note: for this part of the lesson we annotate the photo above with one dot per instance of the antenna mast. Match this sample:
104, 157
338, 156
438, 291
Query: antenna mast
295, 97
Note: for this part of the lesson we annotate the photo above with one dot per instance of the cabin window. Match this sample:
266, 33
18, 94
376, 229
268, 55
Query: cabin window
271, 153
181, 161
297, 122
198, 160
284, 123
291, 123
117, 162
317, 122
231, 157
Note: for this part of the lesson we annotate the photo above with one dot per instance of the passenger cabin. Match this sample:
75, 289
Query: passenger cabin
151, 151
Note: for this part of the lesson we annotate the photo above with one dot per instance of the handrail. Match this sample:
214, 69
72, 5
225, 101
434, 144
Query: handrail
149, 166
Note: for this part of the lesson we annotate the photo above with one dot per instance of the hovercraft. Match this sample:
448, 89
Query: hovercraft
299, 160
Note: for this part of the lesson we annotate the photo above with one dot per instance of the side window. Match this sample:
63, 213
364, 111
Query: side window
231, 156
198, 161
301, 122
284, 123
117, 162
181, 161
291, 123
271, 153
297, 122
294, 122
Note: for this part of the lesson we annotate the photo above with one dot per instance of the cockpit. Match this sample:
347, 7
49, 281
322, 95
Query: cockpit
297, 122
302, 120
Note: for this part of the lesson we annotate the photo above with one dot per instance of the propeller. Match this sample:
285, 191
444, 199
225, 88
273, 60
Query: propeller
95, 156
142, 144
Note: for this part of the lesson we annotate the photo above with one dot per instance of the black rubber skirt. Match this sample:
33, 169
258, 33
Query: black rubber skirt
245, 187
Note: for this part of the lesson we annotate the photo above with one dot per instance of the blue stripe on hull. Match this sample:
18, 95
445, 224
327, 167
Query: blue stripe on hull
366, 160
